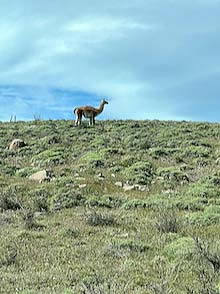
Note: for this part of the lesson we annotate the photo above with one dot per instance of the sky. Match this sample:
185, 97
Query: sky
151, 59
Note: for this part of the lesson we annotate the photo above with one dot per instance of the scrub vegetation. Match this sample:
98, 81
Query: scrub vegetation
124, 207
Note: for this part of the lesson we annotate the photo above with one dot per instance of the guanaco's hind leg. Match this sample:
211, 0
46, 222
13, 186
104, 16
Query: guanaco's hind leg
90, 121
93, 120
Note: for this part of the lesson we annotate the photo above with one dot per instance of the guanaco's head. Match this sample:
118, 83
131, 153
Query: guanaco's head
104, 101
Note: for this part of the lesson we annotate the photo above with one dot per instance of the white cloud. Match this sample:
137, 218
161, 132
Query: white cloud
105, 25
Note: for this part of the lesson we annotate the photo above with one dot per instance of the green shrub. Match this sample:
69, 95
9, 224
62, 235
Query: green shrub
213, 209
8, 170
93, 159
118, 247
8, 252
189, 203
104, 201
209, 251
97, 285
196, 152
98, 219
26, 171
128, 160
30, 222
69, 233
134, 203
51, 139
205, 190
66, 199
9, 201
64, 181
211, 215
181, 248
172, 174
166, 221
157, 152
50, 157
140, 172
214, 180
40, 203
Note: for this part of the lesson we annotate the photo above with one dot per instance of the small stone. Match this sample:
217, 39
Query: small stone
82, 186
80, 179
119, 184
128, 187
40, 176
70, 185
100, 176
16, 143
141, 188
124, 235
37, 214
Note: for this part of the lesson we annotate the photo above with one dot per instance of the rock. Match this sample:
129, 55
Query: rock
124, 235
80, 179
119, 184
128, 187
141, 188
40, 176
82, 186
183, 167
217, 161
100, 176
37, 214
16, 143
70, 185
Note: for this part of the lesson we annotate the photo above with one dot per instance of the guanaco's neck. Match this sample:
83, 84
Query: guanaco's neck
101, 107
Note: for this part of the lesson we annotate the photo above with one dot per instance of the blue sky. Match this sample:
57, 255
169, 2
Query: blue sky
152, 59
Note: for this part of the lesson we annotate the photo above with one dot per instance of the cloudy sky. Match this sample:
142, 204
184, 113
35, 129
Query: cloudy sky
152, 59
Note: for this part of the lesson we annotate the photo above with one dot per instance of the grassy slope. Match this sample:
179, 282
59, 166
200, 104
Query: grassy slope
81, 233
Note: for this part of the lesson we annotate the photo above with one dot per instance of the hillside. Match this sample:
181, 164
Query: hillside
127, 207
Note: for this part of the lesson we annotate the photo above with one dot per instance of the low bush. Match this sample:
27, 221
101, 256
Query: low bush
26, 172
210, 216
104, 201
209, 252
118, 248
66, 199
96, 285
93, 159
166, 221
134, 203
141, 172
49, 157
196, 152
180, 248
173, 174
98, 219
29, 221
8, 253
9, 201
205, 190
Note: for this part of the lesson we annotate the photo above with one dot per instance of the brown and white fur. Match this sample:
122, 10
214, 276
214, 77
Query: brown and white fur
88, 112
